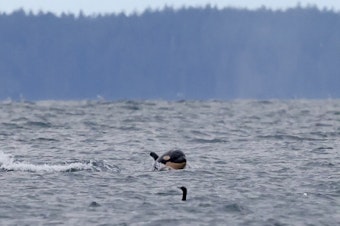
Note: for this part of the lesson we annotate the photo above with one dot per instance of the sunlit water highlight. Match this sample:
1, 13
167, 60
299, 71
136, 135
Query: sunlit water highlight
250, 163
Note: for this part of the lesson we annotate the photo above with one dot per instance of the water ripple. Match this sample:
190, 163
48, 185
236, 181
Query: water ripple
249, 162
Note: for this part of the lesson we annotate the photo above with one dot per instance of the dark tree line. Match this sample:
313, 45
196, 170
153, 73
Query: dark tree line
195, 53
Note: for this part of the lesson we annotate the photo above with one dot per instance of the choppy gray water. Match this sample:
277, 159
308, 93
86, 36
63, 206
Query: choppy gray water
250, 163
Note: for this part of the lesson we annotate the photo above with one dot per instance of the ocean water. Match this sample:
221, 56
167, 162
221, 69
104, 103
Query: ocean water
249, 162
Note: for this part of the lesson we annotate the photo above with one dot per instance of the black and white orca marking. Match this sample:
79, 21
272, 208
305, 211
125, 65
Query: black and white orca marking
173, 159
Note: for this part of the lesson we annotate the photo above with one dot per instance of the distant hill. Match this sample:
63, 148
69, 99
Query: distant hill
194, 53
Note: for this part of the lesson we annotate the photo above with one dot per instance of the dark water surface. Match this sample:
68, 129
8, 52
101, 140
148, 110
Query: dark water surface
250, 163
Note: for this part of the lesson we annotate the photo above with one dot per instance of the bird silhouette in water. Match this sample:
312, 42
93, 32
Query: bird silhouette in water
184, 195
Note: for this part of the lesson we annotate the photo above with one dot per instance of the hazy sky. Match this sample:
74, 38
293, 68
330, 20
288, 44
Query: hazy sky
109, 6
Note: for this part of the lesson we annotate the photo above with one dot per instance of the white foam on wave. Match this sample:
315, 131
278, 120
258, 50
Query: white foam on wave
8, 163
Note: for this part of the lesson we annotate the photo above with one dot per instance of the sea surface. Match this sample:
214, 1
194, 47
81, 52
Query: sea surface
249, 162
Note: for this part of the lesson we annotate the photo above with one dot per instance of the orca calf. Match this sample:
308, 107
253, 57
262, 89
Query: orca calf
173, 159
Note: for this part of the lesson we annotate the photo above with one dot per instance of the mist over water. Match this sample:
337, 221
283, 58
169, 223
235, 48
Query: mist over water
250, 162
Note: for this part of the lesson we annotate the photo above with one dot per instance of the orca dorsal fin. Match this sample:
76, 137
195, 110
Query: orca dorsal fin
154, 155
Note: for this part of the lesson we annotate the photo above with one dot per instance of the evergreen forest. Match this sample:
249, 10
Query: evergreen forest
190, 53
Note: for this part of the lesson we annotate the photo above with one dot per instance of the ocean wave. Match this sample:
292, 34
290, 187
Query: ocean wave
9, 163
